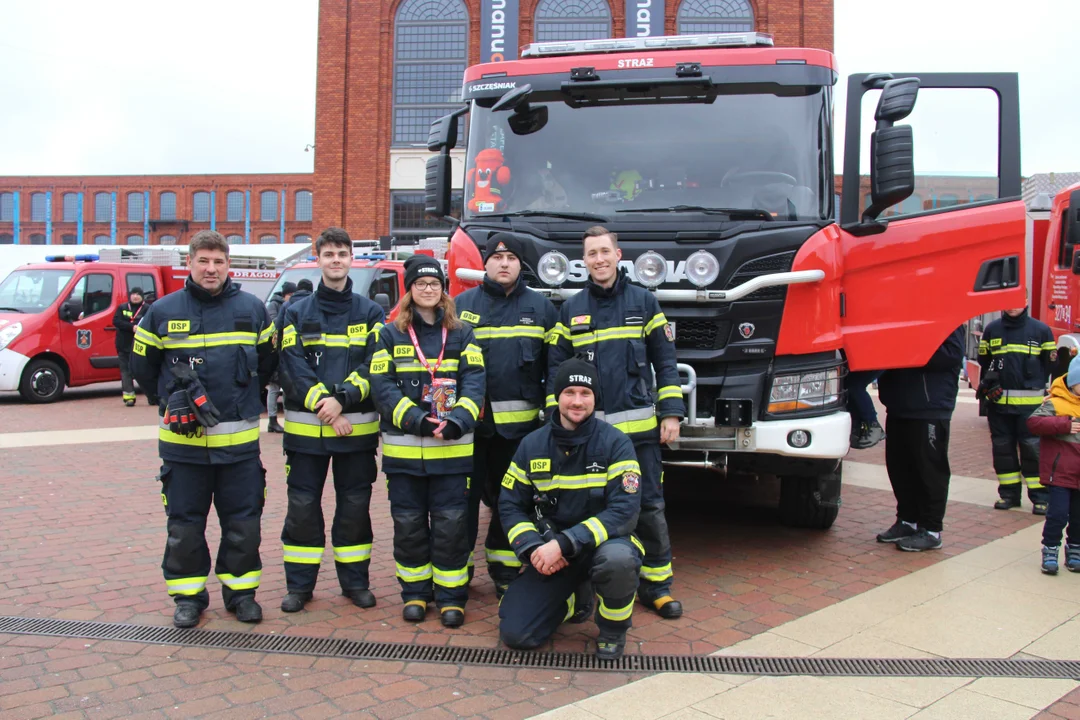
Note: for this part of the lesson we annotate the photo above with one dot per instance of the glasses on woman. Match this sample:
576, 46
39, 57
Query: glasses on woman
432, 285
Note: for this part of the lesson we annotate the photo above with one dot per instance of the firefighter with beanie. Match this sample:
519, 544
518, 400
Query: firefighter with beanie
620, 329
570, 499
326, 349
1016, 353
126, 318
512, 324
206, 350
427, 378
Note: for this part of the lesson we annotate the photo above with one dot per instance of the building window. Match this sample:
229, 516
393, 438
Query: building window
697, 17
7, 239
134, 240
234, 207
167, 240
102, 207
566, 20
912, 204
37, 239
7, 207
234, 239
200, 207
268, 205
167, 205
408, 220
135, 207
302, 239
102, 240
69, 239
71, 207
303, 206
947, 200
37, 207
430, 54
268, 239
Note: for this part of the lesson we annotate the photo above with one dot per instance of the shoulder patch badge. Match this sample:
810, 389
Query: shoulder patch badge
358, 330
630, 482
581, 320
669, 332
470, 317
404, 351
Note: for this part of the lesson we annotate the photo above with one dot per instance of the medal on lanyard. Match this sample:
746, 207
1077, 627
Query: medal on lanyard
441, 393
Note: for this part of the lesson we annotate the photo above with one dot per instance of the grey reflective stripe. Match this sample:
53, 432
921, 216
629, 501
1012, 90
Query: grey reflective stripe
306, 418
361, 418
512, 406
1025, 393
626, 415
414, 441
225, 428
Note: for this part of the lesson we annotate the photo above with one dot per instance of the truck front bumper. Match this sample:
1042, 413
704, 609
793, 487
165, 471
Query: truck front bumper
825, 437
11, 369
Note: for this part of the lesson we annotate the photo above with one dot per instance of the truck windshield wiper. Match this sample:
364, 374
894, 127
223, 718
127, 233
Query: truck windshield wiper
589, 217
11, 309
733, 213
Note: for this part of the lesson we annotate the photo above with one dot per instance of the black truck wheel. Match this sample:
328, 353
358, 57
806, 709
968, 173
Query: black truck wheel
810, 501
42, 382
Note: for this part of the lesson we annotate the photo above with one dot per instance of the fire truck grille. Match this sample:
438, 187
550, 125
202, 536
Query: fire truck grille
780, 262
701, 334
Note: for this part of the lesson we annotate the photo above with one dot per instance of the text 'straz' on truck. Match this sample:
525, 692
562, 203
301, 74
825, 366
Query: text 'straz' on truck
711, 156
56, 317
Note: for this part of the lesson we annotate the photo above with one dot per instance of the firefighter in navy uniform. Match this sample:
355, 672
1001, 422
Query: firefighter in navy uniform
326, 348
512, 325
207, 352
620, 329
126, 318
427, 377
1016, 353
571, 500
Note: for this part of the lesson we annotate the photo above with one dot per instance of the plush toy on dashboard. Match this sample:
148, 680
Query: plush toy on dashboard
487, 180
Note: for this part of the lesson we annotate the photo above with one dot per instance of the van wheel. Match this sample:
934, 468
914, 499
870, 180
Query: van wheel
802, 504
42, 382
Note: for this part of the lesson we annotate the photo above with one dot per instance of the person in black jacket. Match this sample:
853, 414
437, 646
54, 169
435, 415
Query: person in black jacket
571, 500
326, 350
126, 318
274, 307
919, 404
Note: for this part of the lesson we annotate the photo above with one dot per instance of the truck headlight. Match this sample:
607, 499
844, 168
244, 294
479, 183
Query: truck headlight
9, 333
702, 268
553, 268
805, 391
651, 269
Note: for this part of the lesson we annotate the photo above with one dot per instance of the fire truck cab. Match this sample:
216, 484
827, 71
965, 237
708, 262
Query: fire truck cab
711, 157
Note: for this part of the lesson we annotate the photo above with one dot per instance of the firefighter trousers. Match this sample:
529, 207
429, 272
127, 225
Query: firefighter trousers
238, 492
535, 605
1009, 436
491, 459
304, 534
127, 380
652, 527
431, 549
917, 460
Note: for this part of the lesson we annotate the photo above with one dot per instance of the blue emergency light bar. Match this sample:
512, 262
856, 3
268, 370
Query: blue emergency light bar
71, 258
369, 257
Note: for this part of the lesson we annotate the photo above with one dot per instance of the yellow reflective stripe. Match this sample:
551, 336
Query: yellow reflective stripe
550, 401
403, 406
468, 405
380, 355
1021, 349
557, 332
355, 379
313, 394
352, 553
518, 529
509, 331
1049, 345
517, 473
473, 348
621, 332
637, 544
413, 574
656, 574
147, 337
1009, 478
247, 581
339, 341
266, 334
571, 482
503, 557
516, 416
210, 340
1033, 483
1009, 399
451, 578
426, 452
570, 602
599, 532
302, 554
129, 396
658, 321
616, 469
669, 391
636, 426
186, 586
314, 431
209, 441
447, 366
616, 614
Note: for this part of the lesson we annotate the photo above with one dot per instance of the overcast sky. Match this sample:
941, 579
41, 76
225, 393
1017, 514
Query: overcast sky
138, 87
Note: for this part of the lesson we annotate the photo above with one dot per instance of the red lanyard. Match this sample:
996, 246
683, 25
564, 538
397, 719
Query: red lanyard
420, 353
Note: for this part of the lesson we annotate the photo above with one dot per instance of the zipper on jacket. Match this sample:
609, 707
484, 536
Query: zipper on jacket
1053, 468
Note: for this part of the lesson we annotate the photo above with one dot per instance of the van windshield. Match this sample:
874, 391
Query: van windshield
32, 291
361, 278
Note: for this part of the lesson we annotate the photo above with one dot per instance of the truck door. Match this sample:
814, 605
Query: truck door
85, 323
951, 251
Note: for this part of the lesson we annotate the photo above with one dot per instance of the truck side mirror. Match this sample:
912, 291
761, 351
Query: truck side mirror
443, 133
70, 309
442, 139
892, 156
383, 301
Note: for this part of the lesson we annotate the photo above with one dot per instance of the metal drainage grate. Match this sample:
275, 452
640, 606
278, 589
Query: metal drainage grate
730, 665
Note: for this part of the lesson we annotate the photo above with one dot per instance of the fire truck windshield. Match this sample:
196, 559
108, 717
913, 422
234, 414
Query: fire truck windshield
31, 291
757, 152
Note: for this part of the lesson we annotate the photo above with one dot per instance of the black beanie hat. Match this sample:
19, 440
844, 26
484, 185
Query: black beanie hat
288, 288
575, 372
134, 291
304, 284
418, 266
504, 242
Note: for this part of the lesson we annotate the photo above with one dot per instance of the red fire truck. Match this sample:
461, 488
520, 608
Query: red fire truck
711, 156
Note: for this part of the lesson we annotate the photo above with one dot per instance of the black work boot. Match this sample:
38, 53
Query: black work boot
1007, 503
583, 603
273, 427
186, 615
360, 598
247, 610
611, 644
1039, 508
666, 607
295, 601
414, 611
452, 617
